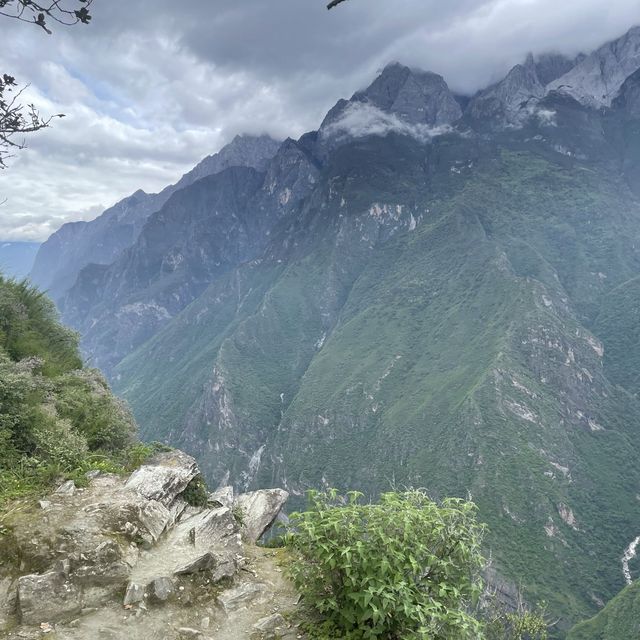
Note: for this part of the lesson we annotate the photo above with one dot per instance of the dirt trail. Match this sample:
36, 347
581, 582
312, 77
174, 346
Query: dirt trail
280, 598
198, 613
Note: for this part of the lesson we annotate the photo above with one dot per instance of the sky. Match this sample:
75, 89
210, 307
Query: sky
151, 87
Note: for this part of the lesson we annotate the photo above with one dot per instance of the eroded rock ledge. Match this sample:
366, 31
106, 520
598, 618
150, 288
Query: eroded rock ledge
128, 557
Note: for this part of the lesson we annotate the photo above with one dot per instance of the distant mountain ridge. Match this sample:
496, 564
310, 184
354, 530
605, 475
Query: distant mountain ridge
79, 244
426, 291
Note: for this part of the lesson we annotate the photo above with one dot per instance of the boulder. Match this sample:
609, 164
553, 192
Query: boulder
134, 594
67, 488
226, 569
161, 590
259, 509
164, 477
8, 601
47, 597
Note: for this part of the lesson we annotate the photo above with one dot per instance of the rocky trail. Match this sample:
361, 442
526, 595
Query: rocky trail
129, 558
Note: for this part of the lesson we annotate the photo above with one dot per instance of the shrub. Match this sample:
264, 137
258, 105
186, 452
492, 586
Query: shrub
405, 568
196, 494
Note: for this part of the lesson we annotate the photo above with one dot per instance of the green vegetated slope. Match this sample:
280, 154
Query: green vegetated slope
619, 620
430, 320
57, 419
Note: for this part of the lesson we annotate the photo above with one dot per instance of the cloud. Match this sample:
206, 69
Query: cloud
150, 87
362, 119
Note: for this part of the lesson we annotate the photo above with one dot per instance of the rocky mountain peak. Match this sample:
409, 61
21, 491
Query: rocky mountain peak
415, 97
418, 97
596, 80
242, 151
510, 100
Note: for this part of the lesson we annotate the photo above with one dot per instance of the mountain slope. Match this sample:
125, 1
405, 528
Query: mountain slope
79, 244
418, 304
620, 619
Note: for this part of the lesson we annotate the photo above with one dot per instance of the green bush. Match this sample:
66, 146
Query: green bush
196, 494
405, 568
509, 625
57, 419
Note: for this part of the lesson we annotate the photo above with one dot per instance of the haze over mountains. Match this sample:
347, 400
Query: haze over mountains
17, 258
428, 290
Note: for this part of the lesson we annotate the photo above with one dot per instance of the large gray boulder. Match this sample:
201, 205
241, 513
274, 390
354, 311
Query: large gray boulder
258, 511
164, 477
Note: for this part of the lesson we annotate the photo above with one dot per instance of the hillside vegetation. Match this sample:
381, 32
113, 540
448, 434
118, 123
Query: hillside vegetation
619, 620
57, 418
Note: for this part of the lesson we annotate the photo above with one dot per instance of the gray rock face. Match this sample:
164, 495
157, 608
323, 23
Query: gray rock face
8, 601
405, 97
48, 597
513, 99
507, 101
206, 562
418, 97
259, 511
222, 497
596, 80
134, 594
164, 478
271, 626
134, 537
68, 488
628, 99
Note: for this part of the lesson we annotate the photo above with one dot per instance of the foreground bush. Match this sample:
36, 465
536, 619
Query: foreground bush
57, 420
403, 569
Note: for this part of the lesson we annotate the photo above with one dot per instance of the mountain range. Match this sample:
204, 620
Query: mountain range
428, 290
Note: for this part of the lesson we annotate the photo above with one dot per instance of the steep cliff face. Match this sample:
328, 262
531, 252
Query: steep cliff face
411, 296
79, 244
203, 231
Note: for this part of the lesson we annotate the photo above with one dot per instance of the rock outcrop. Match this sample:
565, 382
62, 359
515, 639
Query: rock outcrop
131, 553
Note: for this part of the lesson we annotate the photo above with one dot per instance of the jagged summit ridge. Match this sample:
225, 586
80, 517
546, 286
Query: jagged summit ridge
410, 96
595, 81
423, 98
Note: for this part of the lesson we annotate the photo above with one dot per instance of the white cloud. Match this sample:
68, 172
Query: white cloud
363, 119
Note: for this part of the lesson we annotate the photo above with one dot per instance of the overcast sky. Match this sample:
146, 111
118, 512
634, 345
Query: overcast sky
152, 86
